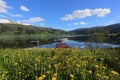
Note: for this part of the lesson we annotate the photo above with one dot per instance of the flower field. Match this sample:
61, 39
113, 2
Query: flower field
59, 64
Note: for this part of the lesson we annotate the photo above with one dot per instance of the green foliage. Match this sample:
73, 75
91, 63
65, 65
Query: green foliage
59, 64
99, 37
112, 29
18, 29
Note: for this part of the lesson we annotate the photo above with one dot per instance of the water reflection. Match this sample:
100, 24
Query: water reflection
23, 42
76, 44
39, 42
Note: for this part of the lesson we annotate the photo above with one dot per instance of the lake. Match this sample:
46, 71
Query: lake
76, 44
38, 42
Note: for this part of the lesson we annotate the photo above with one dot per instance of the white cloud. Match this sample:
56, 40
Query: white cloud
26, 24
14, 15
75, 23
101, 12
3, 7
83, 23
4, 21
86, 13
34, 19
23, 8
31, 20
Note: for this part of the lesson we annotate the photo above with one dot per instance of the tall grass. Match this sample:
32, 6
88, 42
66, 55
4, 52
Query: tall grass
59, 64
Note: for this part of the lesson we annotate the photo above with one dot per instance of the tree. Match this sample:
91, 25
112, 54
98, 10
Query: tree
99, 37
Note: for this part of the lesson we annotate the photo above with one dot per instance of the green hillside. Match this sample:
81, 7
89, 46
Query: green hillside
19, 29
112, 29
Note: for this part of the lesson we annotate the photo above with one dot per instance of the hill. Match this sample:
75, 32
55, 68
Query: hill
112, 29
19, 29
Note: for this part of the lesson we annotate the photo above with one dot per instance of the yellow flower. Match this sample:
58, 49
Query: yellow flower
16, 63
19, 73
90, 71
48, 72
84, 62
114, 72
77, 65
56, 65
71, 75
35, 64
53, 78
55, 74
20, 60
5, 72
49, 66
40, 78
43, 76
103, 67
101, 59
96, 66
98, 75
106, 77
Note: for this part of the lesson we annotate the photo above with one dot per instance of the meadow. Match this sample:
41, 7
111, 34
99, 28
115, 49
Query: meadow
59, 64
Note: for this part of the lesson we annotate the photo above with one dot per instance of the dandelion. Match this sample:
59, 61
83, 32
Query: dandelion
20, 60
48, 72
40, 78
19, 73
101, 59
53, 78
84, 62
55, 74
114, 72
98, 75
90, 71
77, 65
18, 54
103, 67
43, 76
105, 77
5, 72
56, 65
71, 75
16, 63
49, 66
36, 59
96, 66
35, 64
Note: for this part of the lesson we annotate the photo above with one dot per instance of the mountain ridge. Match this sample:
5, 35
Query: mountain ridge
112, 29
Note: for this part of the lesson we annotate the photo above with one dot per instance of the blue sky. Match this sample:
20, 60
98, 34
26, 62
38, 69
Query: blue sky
61, 14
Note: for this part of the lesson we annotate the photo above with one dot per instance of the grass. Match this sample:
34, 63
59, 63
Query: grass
59, 64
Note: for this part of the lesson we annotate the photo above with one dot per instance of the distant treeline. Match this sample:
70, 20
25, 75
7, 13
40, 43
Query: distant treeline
110, 33
111, 29
18, 29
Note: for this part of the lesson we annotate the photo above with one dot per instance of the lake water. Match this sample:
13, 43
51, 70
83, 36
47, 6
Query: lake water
30, 42
77, 44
